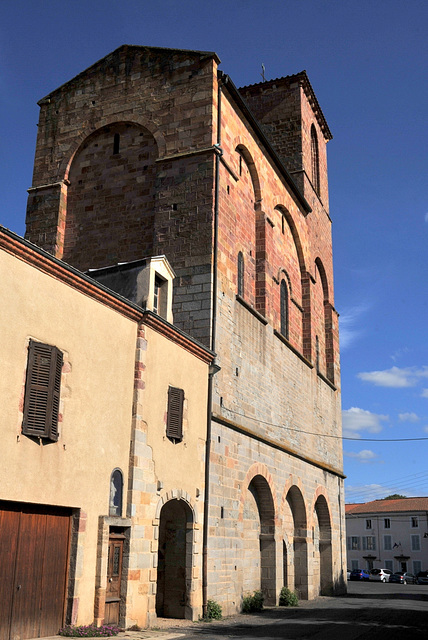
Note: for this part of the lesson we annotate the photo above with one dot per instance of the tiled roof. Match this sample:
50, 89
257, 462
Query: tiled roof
388, 506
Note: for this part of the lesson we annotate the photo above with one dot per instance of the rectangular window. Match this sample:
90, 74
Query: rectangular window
42, 391
369, 543
354, 564
387, 543
417, 566
353, 543
174, 420
416, 543
415, 523
389, 564
368, 524
387, 523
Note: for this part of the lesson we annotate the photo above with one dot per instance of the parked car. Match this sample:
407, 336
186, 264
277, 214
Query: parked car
403, 577
380, 575
422, 577
359, 574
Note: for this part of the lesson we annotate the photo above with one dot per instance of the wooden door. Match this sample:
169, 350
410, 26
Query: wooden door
33, 565
114, 578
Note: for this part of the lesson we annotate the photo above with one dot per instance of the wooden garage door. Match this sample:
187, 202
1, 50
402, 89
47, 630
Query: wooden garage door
34, 545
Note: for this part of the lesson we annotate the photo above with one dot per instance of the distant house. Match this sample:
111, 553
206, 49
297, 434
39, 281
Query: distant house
392, 534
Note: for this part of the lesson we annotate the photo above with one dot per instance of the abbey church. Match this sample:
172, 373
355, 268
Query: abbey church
176, 282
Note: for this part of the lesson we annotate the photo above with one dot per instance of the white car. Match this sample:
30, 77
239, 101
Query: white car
380, 575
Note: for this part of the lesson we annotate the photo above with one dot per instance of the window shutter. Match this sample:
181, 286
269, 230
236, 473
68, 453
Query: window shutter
42, 391
174, 421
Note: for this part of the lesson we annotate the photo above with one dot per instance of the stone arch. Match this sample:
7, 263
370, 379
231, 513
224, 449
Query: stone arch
296, 530
322, 540
175, 535
258, 517
325, 326
110, 201
144, 123
242, 150
294, 232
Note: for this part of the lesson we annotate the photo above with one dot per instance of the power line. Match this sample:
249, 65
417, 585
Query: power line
325, 435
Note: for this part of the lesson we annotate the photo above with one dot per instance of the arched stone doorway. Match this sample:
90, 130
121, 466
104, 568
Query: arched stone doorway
298, 523
259, 564
174, 573
323, 565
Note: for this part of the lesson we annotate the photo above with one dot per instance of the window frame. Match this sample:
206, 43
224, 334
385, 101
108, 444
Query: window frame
284, 309
42, 391
175, 411
241, 275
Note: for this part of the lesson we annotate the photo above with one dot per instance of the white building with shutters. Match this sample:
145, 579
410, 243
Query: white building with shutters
390, 534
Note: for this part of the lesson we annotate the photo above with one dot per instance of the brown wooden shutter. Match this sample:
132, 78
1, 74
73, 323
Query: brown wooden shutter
174, 421
42, 391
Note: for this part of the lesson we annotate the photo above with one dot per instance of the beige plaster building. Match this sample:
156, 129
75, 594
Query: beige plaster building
389, 534
91, 478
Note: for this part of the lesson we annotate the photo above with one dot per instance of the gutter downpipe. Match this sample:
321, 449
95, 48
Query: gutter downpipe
214, 368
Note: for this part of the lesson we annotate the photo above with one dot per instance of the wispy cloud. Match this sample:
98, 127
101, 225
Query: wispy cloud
424, 393
348, 331
355, 420
408, 417
367, 492
366, 456
395, 377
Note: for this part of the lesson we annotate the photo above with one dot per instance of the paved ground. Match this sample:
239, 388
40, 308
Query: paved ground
370, 611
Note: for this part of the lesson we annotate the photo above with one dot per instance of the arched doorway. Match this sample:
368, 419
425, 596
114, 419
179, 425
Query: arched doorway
259, 540
299, 535
322, 547
174, 561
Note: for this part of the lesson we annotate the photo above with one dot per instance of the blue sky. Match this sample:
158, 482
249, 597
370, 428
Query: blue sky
367, 61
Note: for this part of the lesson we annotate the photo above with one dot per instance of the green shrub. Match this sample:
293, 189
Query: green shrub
89, 631
253, 603
213, 611
288, 598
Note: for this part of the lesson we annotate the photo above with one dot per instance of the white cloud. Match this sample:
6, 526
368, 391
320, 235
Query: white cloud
355, 420
408, 417
347, 331
424, 393
365, 456
394, 377
367, 492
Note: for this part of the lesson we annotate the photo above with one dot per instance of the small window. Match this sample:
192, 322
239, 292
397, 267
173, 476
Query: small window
415, 523
116, 143
174, 420
389, 564
315, 160
116, 492
284, 308
353, 543
387, 543
369, 543
387, 523
417, 566
160, 293
240, 274
416, 543
42, 391
368, 524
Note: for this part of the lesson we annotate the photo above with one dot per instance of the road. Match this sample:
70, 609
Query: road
370, 611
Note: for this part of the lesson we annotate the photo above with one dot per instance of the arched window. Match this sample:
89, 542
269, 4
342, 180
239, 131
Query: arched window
116, 493
240, 274
284, 309
315, 160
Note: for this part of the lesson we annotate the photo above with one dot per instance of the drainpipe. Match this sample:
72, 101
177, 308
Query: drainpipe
214, 368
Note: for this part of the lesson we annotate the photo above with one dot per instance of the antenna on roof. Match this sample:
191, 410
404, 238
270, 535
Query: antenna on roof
263, 72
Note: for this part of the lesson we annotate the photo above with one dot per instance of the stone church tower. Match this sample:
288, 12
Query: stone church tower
154, 152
